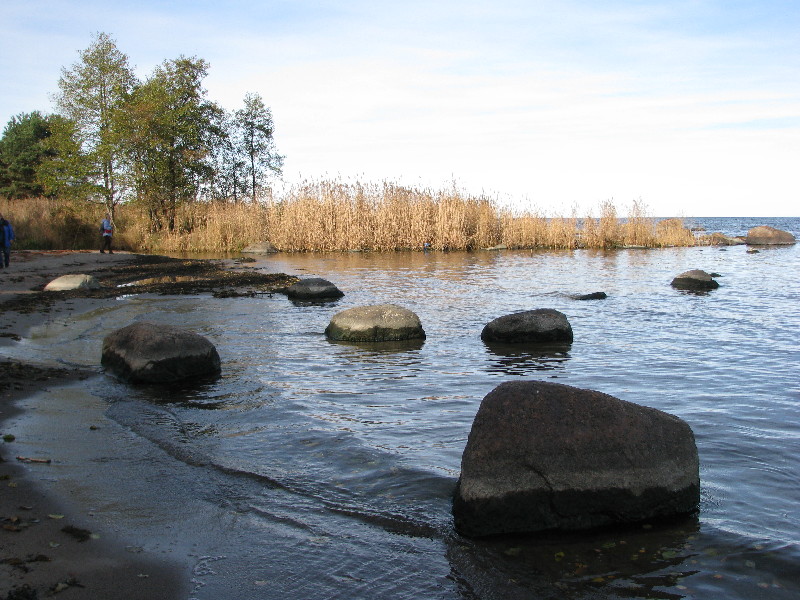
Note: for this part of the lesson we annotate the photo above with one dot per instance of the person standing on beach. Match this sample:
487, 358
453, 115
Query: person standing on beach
6, 237
106, 231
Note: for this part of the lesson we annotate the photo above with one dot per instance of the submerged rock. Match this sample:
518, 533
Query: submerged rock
73, 282
695, 279
313, 288
764, 235
592, 296
544, 456
376, 323
543, 325
159, 353
260, 248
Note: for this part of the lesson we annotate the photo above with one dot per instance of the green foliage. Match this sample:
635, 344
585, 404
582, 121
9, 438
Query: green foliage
160, 143
91, 94
171, 130
21, 152
255, 142
68, 172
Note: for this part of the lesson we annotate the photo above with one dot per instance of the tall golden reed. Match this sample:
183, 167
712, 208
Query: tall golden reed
336, 216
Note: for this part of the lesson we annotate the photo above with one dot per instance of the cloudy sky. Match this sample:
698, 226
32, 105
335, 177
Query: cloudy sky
689, 106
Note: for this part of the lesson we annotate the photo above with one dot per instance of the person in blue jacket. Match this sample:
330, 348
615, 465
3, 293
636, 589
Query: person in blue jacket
6, 237
106, 232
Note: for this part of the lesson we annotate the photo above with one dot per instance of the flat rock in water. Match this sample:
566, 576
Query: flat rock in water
376, 323
543, 456
313, 288
543, 325
260, 248
159, 353
764, 235
592, 296
72, 282
695, 279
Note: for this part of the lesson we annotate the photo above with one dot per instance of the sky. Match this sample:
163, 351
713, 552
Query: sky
688, 107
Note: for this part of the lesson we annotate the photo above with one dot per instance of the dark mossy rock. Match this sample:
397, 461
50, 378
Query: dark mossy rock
592, 296
159, 353
313, 288
543, 456
543, 325
376, 323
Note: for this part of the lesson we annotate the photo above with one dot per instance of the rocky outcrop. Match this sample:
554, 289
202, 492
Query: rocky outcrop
695, 279
159, 353
73, 282
764, 235
543, 325
376, 323
543, 456
313, 288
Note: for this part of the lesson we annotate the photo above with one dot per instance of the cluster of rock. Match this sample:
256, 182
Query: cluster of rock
540, 456
763, 235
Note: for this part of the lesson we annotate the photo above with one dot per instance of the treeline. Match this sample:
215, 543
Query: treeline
159, 143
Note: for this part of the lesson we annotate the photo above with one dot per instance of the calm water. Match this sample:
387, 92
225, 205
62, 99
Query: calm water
322, 470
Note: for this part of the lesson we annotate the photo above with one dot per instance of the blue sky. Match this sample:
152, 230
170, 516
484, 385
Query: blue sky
689, 106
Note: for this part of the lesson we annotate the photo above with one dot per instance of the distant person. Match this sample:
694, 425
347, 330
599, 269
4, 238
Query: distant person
6, 237
106, 233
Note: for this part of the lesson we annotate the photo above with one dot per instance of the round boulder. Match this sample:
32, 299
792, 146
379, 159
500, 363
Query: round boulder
764, 235
695, 280
544, 456
543, 325
72, 282
313, 288
158, 353
376, 323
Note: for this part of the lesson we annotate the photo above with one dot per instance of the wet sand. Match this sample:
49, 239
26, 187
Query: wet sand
45, 549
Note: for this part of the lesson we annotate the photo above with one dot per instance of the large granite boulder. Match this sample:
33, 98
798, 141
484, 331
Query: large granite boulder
376, 323
159, 353
313, 288
72, 282
543, 325
764, 235
544, 456
695, 279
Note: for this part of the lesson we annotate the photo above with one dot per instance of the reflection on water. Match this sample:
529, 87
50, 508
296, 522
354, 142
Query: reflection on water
312, 456
522, 359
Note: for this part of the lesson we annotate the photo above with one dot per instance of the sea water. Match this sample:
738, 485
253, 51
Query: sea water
315, 469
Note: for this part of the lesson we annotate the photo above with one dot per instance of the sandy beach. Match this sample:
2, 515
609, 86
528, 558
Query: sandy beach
45, 548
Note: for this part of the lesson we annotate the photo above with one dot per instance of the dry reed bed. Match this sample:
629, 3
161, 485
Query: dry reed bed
336, 216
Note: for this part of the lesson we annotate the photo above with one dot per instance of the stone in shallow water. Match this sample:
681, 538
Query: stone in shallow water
159, 353
544, 456
73, 282
313, 288
376, 323
543, 325
695, 279
764, 235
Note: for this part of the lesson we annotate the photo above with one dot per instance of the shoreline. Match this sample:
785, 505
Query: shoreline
46, 545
